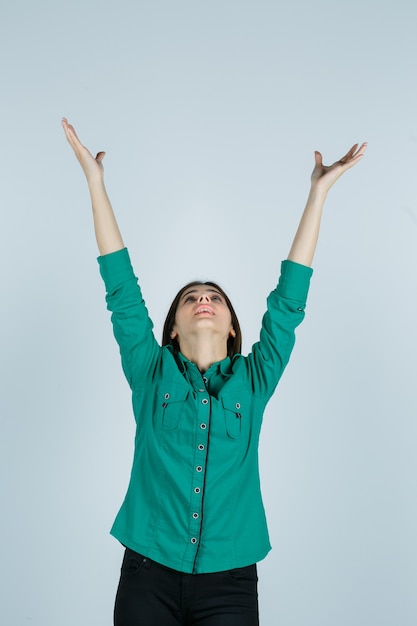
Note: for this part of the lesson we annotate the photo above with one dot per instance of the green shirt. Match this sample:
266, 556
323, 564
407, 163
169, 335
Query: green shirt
194, 501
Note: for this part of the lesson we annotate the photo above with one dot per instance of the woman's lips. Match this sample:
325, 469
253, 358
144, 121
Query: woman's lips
204, 309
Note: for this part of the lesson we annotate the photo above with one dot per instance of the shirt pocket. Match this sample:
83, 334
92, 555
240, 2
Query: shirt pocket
236, 409
171, 403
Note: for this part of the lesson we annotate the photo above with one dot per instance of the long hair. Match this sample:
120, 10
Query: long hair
234, 344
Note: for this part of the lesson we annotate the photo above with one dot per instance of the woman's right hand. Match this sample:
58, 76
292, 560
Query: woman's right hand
92, 167
107, 231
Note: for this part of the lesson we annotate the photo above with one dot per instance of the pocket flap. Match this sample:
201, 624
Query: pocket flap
171, 398
235, 407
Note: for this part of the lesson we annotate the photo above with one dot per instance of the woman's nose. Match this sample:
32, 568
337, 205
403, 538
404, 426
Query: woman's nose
204, 298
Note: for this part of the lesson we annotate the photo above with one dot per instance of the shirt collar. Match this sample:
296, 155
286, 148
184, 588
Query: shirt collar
224, 366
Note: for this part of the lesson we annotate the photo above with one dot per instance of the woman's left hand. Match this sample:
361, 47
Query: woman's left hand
324, 176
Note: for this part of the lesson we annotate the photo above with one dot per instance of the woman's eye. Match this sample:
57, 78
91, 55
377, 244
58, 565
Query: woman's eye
189, 299
216, 298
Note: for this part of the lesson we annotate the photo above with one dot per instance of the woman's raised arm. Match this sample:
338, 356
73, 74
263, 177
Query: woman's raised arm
322, 178
107, 231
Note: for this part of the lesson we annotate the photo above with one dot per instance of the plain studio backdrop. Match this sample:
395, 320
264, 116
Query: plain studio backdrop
210, 113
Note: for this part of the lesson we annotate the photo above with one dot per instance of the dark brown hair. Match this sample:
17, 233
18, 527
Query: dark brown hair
234, 344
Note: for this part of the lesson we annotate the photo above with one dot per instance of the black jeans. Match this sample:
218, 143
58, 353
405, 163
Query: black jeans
150, 594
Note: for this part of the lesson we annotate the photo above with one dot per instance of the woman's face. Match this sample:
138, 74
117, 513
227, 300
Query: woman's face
202, 308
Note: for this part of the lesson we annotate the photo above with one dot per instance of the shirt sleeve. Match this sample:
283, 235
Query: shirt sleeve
132, 327
285, 311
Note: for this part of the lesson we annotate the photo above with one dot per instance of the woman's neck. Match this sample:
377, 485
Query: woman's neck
203, 352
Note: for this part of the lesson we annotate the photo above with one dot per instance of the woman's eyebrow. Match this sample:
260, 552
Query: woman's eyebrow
196, 291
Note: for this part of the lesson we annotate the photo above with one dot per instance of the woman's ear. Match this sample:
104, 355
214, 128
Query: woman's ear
232, 332
173, 334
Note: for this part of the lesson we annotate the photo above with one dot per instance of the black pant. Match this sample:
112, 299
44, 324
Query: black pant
150, 594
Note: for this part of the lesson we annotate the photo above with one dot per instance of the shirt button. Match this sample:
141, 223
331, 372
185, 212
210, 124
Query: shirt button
201, 447
166, 396
199, 468
237, 405
193, 540
197, 490
205, 379
203, 426
201, 390
204, 401
195, 515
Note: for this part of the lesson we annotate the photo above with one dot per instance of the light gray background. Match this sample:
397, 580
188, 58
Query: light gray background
210, 113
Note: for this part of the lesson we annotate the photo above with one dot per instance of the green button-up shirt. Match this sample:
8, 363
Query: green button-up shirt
194, 501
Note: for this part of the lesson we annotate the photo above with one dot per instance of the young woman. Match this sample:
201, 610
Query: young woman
192, 521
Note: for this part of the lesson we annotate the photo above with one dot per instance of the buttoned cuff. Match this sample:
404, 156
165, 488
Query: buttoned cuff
115, 268
294, 281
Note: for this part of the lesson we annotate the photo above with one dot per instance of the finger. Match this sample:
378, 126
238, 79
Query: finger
356, 158
362, 149
66, 125
100, 156
70, 132
73, 140
358, 154
349, 153
318, 157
